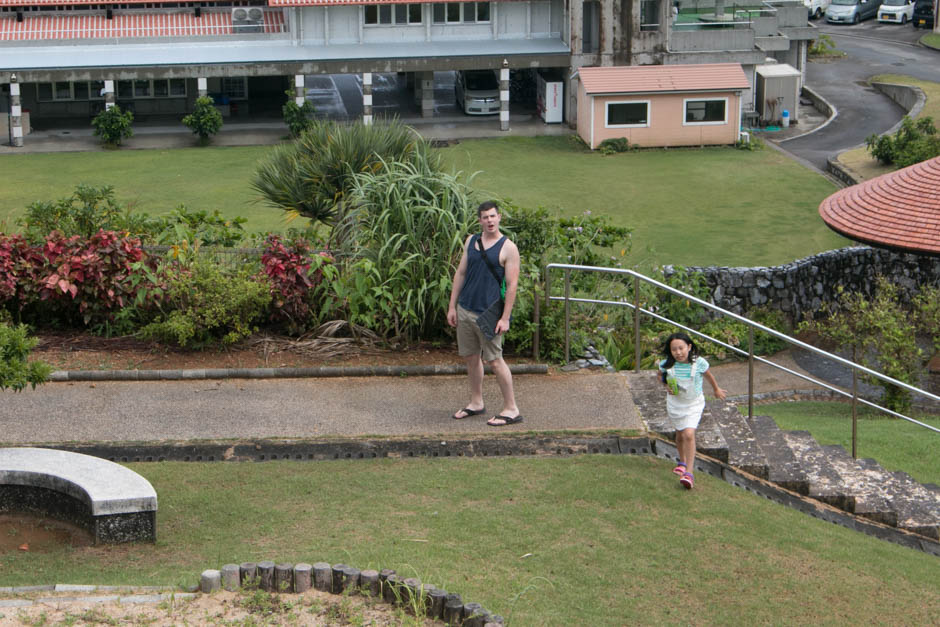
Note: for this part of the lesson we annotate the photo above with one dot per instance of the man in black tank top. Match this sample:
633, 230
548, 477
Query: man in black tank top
475, 289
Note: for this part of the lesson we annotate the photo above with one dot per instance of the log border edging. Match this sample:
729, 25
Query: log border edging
279, 373
385, 585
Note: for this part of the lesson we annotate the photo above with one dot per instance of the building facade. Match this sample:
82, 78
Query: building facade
71, 58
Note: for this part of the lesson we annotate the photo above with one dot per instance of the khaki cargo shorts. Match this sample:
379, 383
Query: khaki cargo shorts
471, 341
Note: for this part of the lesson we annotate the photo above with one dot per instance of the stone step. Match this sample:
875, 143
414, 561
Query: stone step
744, 451
867, 498
783, 468
825, 483
918, 509
708, 437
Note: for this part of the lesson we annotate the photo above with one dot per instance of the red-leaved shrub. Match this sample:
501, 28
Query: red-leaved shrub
294, 271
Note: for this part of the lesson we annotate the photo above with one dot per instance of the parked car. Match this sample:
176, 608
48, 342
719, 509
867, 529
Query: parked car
816, 8
851, 11
923, 16
477, 92
898, 11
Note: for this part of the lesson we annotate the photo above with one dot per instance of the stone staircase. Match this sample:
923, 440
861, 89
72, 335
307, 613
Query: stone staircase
795, 461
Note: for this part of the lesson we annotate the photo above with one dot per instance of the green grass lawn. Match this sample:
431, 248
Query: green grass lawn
593, 540
712, 206
153, 181
895, 444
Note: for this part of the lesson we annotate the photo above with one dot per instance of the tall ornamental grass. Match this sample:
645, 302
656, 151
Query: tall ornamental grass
404, 235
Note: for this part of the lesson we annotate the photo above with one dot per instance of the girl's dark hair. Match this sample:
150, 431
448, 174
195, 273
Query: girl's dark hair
670, 360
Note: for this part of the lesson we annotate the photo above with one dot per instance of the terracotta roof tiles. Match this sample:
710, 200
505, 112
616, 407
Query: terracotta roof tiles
899, 210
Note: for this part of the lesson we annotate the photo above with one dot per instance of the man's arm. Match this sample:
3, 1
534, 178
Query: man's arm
509, 257
459, 276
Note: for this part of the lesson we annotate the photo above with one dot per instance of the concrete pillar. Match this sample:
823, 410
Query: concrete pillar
367, 98
108, 94
299, 93
504, 97
427, 94
202, 87
16, 114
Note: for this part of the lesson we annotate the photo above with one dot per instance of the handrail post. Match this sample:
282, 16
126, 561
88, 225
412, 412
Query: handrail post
567, 316
636, 323
854, 412
750, 373
538, 323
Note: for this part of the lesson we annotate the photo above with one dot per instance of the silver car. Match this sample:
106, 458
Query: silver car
477, 92
851, 11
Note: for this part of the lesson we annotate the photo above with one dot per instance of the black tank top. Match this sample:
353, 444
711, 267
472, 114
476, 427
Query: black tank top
480, 289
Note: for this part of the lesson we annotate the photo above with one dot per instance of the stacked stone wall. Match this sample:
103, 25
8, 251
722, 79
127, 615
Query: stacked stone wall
800, 288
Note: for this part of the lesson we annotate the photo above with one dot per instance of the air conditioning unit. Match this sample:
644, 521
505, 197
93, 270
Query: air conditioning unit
248, 19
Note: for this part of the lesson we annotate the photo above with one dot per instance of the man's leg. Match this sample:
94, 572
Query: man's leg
504, 379
475, 379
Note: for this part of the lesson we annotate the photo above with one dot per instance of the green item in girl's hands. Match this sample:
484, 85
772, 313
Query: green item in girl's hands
673, 385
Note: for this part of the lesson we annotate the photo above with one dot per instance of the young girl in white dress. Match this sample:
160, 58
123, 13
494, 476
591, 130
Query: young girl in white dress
682, 373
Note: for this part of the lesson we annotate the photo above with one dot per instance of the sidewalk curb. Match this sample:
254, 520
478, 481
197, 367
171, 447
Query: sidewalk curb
277, 373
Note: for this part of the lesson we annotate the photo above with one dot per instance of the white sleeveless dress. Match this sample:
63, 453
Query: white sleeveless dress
685, 408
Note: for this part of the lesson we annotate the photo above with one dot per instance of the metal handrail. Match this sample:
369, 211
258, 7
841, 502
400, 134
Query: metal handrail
751, 325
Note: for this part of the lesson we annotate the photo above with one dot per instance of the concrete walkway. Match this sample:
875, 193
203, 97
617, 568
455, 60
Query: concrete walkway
156, 135
305, 408
150, 411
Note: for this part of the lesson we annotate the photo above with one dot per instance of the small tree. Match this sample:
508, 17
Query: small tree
914, 142
297, 117
113, 126
15, 372
205, 120
882, 336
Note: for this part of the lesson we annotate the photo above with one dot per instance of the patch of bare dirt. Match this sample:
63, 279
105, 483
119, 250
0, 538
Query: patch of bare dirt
220, 608
34, 534
72, 351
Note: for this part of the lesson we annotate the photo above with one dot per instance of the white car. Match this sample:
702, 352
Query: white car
477, 92
816, 8
897, 11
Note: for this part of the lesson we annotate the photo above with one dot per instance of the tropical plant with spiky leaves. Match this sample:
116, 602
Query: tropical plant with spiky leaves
312, 176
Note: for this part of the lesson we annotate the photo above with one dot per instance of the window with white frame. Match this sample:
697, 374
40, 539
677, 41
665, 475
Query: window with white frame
710, 111
389, 14
235, 87
461, 12
65, 90
627, 113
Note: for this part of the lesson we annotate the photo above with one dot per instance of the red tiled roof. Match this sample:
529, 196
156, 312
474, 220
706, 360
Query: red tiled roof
62, 3
643, 79
898, 210
79, 26
318, 3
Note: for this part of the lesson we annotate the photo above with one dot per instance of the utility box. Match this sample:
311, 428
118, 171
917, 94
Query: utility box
777, 89
549, 100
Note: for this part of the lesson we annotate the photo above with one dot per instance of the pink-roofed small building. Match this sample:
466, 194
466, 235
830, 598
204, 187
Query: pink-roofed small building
661, 105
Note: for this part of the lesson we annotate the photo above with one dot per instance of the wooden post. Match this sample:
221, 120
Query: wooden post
266, 575
284, 578
369, 580
302, 577
322, 576
249, 574
337, 585
230, 577
351, 580
453, 609
436, 599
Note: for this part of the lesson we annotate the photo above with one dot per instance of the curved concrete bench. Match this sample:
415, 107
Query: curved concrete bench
114, 503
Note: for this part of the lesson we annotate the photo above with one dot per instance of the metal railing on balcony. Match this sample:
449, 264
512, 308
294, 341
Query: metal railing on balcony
752, 326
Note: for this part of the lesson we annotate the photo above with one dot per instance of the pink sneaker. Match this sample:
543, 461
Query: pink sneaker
687, 480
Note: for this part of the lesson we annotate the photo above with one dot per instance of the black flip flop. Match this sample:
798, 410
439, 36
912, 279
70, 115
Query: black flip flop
469, 412
506, 420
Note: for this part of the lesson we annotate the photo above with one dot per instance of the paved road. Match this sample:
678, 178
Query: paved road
871, 49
